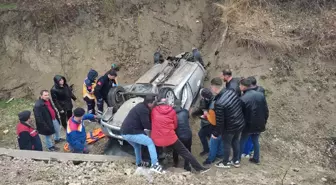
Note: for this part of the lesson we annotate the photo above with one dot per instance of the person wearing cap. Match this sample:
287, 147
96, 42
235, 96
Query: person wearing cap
133, 131
75, 133
164, 124
255, 112
88, 91
205, 130
62, 96
230, 82
229, 122
28, 137
183, 131
101, 90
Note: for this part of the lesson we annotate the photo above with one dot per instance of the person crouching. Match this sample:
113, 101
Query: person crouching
164, 124
76, 134
28, 137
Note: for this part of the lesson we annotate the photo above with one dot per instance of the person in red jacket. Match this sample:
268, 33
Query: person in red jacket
164, 124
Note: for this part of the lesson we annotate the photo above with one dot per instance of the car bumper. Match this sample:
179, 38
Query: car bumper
111, 131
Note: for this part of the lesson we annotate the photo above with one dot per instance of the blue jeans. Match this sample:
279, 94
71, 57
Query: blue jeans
141, 139
48, 140
248, 148
255, 141
205, 133
216, 149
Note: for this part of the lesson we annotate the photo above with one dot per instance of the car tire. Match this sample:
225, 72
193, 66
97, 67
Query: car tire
114, 98
168, 94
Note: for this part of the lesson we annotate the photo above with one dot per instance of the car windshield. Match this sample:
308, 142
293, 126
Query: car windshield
142, 88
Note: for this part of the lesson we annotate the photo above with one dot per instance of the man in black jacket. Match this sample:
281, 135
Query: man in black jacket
104, 84
254, 85
205, 131
61, 95
47, 122
28, 137
133, 131
230, 82
183, 131
255, 111
229, 122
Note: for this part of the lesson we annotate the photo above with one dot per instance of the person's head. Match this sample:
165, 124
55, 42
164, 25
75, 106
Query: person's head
25, 116
206, 93
61, 82
226, 75
177, 103
78, 114
245, 83
216, 85
112, 74
162, 101
92, 75
44, 94
253, 80
149, 101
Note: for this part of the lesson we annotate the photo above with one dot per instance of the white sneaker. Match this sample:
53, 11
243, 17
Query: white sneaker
157, 168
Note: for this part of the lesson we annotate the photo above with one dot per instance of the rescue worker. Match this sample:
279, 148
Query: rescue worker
101, 90
88, 91
133, 131
164, 124
229, 122
230, 82
183, 131
205, 131
76, 134
255, 111
47, 121
254, 85
61, 95
28, 137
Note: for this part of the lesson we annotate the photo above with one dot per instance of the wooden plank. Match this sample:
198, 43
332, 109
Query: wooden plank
58, 156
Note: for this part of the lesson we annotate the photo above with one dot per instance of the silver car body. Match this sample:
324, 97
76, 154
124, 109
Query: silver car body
186, 80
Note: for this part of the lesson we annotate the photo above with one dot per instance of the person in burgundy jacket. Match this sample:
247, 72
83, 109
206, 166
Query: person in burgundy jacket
164, 124
28, 137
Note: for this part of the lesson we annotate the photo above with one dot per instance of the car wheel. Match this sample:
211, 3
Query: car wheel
168, 94
114, 98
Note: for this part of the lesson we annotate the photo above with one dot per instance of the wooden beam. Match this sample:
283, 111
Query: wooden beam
58, 156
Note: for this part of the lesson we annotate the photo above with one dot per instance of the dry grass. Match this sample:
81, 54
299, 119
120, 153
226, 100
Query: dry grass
279, 26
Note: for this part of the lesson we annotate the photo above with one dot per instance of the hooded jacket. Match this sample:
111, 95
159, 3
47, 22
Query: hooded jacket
183, 130
164, 124
229, 114
61, 96
255, 111
90, 84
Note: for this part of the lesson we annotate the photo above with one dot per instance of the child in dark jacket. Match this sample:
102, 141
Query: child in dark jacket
76, 134
28, 137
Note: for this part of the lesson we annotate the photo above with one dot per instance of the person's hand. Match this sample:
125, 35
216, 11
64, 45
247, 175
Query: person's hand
205, 113
214, 137
98, 116
62, 111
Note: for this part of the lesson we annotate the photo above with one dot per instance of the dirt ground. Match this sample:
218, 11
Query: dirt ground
288, 45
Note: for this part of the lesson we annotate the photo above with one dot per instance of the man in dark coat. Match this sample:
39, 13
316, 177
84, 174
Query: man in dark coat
102, 88
61, 95
255, 111
47, 122
205, 131
229, 122
183, 131
230, 82
254, 85
28, 137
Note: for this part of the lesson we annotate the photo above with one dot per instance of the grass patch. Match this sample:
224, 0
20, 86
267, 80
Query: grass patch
7, 6
9, 120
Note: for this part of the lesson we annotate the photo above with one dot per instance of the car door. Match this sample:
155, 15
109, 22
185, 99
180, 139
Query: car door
196, 81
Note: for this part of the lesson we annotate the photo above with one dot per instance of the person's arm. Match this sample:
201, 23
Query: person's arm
25, 141
88, 117
198, 111
88, 86
73, 97
266, 111
55, 100
144, 118
175, 122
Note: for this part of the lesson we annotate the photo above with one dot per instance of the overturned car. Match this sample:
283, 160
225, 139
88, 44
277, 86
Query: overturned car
180, 77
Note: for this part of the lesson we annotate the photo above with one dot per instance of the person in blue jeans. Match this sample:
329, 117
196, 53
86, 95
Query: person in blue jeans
256, 113
248, 148
133, 131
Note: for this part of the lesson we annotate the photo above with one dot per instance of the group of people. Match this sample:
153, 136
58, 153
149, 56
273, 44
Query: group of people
231, 115
50, 115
